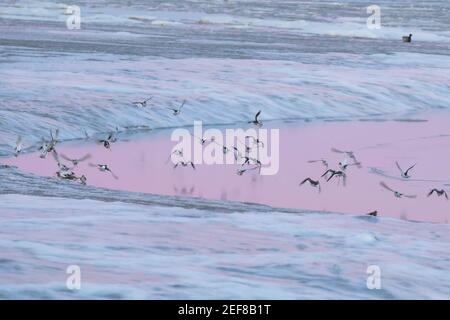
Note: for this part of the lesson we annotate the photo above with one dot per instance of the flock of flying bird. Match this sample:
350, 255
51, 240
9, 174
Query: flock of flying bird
48, 146
350, 160
247, 163
65, 172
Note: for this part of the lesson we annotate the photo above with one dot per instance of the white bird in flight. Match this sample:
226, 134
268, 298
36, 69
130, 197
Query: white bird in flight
18, 147
404, 174
396, 193
177, 111
142, 103
256, 121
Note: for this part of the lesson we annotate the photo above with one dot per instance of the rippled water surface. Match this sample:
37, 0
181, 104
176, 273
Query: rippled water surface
296, 61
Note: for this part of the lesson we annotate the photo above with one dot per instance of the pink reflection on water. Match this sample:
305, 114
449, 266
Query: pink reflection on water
142, 167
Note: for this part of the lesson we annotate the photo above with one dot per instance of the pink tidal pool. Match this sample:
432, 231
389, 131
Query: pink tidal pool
142, 165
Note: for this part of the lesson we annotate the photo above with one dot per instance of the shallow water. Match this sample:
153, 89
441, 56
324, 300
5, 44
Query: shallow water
143, 164
294, 61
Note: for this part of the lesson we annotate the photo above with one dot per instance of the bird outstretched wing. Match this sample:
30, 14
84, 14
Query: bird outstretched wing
398, 166
410, 168
303, 182
337, 150
257, 115
384, 185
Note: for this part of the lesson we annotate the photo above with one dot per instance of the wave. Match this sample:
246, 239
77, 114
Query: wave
95, 92
346, 19
143, 247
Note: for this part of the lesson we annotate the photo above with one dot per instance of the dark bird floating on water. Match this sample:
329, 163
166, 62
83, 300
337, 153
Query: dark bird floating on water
407, 38
373, 213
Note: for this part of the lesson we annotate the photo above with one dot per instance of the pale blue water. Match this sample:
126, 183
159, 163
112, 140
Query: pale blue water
308, 60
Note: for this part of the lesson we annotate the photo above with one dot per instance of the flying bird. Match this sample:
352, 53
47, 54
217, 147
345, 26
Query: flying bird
177, 111
108, 141
184, 164
256, 121
142, 103
176, 152
225, 149
405, 174
312, 183
44, 148
248, 159
104, 168
248, 149
237, 154
18, 147
83, 180
54, 138
75, 162
344, 164
349, 154
396, 193
203, 140
241, 171
49, 146
336, 173
114, 135
439, 193
255, 141
66, 175
61, 166
86, 135
322, 161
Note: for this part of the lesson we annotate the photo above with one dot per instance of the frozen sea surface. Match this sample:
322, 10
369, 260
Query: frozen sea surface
292, 60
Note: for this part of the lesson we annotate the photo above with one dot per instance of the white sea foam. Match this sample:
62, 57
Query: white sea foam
344, 20
218, 91
168, 253
292, 60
